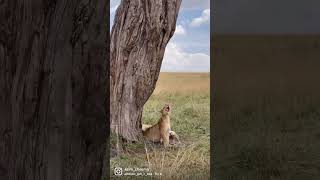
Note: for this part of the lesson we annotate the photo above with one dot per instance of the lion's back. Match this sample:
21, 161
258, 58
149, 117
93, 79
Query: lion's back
152, 133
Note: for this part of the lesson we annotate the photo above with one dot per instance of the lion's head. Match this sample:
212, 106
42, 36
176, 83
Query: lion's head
166, 110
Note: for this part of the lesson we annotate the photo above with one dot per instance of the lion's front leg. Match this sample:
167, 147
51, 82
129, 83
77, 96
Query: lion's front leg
165, 138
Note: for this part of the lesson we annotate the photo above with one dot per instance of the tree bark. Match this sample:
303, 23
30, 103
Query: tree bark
53, 69
139, 37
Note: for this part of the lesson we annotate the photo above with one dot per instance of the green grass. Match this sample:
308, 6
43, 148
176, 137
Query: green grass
189, 115
190, 119
264, 145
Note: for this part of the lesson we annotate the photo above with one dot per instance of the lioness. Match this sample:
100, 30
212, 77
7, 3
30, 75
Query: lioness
160, 132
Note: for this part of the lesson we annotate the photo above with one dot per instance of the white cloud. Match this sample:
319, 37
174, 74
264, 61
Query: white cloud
177, 60
114, 2
113, 9
180, 30
203, 19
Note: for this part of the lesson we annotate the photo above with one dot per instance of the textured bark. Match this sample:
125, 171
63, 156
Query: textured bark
139, 37
53, 69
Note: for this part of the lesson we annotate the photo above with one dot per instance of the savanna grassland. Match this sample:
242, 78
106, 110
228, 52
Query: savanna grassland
189, 95
266, 107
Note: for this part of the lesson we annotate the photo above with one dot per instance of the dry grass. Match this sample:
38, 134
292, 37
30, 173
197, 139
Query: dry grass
189, 94
183, 83
191, 160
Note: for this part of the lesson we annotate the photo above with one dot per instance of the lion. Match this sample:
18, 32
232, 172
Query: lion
160, 132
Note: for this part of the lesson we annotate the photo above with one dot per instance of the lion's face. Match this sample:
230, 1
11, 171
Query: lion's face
166, 109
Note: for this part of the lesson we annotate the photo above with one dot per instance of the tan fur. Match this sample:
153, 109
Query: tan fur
160, 131
145, 126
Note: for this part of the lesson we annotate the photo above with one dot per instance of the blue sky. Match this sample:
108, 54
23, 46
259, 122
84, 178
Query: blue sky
189, 48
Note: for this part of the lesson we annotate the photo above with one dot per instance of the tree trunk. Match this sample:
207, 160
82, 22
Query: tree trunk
53, 69
139, 37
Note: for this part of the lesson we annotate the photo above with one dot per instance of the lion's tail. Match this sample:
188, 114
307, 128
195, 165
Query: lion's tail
145, 127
